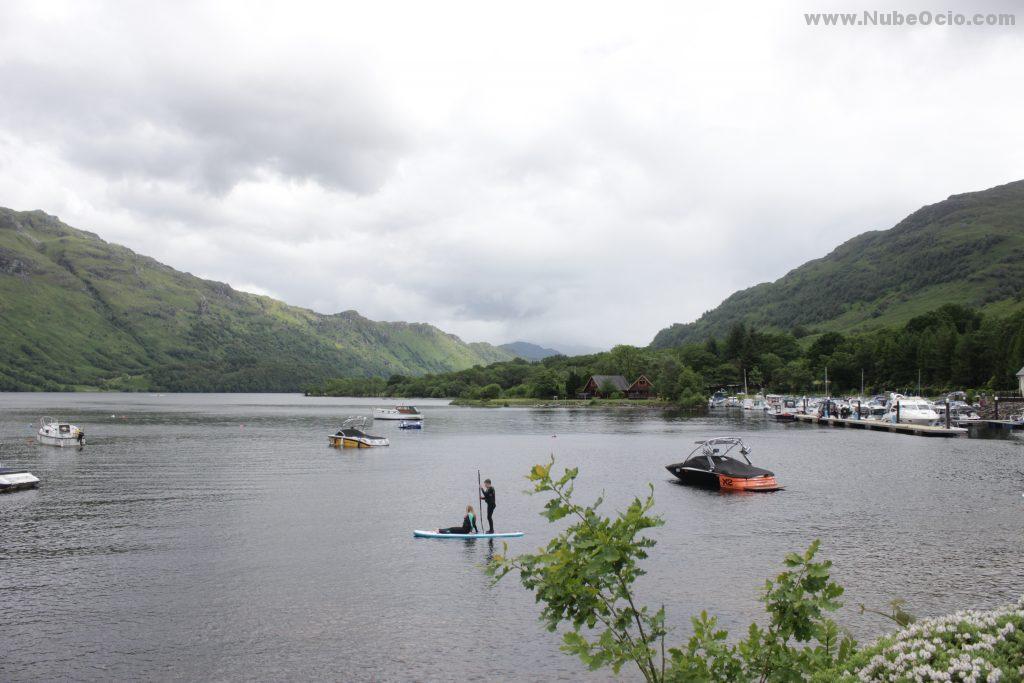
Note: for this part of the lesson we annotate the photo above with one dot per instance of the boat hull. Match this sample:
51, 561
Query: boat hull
17, 480
722, 482
58, 441
354, 442
740, 484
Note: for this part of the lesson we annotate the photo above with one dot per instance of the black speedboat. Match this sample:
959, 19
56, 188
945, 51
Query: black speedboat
709, 465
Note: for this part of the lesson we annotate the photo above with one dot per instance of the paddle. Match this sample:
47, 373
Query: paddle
480, 502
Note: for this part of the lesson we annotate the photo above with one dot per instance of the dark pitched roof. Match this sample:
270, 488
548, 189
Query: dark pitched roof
617, 381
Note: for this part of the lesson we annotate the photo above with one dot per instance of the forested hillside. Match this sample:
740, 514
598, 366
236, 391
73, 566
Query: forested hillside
78, 312
967, 250
952, 347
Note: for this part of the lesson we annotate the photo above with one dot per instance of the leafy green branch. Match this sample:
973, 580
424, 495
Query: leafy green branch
584, 578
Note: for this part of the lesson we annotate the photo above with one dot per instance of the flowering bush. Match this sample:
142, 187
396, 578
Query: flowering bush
965, 646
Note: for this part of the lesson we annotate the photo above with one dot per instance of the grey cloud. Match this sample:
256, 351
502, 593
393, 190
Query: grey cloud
207, 132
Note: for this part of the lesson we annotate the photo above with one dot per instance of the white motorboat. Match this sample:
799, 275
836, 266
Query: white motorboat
910, 410
13, 479
397, 413
351, 435
60, 434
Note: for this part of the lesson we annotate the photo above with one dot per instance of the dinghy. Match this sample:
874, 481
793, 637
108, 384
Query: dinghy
419, 533
12, 479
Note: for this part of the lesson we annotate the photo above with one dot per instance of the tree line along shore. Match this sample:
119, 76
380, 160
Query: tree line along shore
950, 348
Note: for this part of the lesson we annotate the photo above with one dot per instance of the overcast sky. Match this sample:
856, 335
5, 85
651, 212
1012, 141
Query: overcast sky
560, 172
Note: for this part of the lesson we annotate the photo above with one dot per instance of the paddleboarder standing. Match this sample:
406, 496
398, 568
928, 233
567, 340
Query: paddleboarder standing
487, 496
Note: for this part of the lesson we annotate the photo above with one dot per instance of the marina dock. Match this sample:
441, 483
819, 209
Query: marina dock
878, 425
1004, 424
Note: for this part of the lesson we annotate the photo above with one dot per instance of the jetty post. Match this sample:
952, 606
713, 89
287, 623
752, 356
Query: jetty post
947, 414
897, 411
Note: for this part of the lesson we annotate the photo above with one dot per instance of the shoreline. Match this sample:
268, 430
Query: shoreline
562, 403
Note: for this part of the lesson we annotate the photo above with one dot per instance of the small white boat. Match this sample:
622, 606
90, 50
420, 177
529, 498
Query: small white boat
351, 435
411, 424
13, 479
397, 413
60, 434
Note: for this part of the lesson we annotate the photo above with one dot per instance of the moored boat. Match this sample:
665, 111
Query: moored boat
397, 413
411, 424
709, 465
13, 479
351, 435
60, 434
910, 410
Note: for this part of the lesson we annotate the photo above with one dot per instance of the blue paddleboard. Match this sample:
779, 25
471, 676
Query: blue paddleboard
430, 534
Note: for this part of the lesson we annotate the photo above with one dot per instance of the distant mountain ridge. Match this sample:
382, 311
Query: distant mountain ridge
967, 249
529, 351
78, 312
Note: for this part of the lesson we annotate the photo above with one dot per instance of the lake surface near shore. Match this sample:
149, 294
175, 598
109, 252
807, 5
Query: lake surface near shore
219, 537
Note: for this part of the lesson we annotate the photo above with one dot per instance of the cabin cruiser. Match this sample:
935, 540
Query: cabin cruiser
873, 409
709, 465
351, 435
13, 479
61, 434
397, 413
910, 410
959, 412
718, 400
784, 410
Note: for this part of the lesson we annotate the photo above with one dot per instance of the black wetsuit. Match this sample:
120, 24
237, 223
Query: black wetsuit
489, 499
468, 523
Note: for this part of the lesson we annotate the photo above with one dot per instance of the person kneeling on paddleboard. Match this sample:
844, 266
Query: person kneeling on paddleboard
468, 524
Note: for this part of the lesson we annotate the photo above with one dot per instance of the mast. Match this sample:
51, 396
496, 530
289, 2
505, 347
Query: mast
827, 395
744, 381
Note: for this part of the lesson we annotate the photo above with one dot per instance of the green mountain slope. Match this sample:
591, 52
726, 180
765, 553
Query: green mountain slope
77, 311
968, 249
529, 350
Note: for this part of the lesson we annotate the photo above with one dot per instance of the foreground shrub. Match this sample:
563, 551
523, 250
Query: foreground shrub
966, 646
584, 580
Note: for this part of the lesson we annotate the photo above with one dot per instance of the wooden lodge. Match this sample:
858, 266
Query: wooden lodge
602, 386
641, 389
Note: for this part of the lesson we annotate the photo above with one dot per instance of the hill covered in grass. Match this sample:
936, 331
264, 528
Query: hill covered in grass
78, 312
966, 250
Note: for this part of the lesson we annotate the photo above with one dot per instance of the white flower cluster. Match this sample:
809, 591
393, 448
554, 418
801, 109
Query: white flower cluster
948, 648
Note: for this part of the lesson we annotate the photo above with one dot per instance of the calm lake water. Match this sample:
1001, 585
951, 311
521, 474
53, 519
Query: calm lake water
219, 537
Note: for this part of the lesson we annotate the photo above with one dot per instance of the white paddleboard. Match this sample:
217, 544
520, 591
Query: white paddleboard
418, 533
